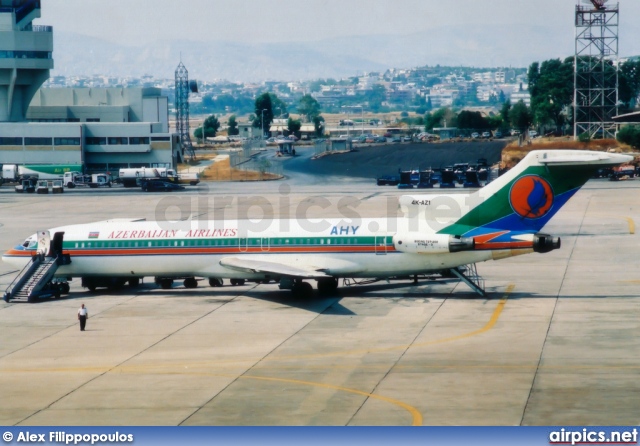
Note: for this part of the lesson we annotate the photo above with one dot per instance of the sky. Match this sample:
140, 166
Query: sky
147, 22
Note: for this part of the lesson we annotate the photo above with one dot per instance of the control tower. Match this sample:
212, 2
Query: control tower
25, 57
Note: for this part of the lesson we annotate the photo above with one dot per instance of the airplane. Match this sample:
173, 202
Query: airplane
441, 234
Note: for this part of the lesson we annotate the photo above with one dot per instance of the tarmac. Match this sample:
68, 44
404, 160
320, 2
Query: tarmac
554, 343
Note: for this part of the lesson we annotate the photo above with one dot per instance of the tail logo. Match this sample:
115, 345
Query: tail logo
531, 197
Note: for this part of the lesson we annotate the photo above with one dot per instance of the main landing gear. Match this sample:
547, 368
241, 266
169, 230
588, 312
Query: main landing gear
302, 289
328, 285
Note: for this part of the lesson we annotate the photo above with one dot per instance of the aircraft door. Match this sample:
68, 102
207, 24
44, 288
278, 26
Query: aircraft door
243, 244
381, 243
44, 243
265, 244
56, 246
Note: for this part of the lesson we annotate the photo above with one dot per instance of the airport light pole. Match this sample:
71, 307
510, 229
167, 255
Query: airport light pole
263, 110
280, 118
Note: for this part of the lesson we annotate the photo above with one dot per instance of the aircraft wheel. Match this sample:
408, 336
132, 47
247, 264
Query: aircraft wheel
134, 282
327, 286
191, 282
302, 290
166, 284
214, 282
65, 288
236, 282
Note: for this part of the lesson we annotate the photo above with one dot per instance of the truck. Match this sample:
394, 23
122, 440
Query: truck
15, 173
132, 177
190, 178
74, 179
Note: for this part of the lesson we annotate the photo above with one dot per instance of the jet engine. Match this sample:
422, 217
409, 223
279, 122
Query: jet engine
432, 244
544, 243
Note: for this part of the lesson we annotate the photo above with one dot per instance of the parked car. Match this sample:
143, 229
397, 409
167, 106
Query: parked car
486, 135
160, 186
475, 135
407, 139
533, 134
396, 139
498, 134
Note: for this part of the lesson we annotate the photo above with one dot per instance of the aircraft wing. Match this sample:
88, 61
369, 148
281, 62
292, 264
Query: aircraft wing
274, 268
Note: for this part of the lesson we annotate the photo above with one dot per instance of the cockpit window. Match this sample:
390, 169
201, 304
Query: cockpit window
30, 243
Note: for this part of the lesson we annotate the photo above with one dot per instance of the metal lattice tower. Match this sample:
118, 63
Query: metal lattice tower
596, 69
182, 109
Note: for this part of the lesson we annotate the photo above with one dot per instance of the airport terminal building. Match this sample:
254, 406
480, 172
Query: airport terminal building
102, 129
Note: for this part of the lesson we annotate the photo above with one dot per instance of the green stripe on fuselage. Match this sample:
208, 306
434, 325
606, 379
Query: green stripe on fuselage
227, 242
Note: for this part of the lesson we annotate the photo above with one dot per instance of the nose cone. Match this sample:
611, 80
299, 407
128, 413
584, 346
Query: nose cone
17, 257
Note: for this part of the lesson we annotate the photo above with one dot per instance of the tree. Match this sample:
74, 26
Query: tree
630, 135
441, 118
520, 116
294, 125
277, 105
470, 120
551, 87
504, 112
211, 126
629, 83
318, 124
263, 111
309, 107
233, 125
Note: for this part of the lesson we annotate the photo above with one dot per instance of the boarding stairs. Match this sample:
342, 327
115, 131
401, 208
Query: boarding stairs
33, 281
469, 275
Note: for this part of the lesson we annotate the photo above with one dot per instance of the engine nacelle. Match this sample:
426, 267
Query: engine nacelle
431, 244
544, 243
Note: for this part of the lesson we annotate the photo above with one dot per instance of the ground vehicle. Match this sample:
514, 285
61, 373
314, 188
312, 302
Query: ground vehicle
193, 178
407, 139
475, 135
486, 134
15, 173
27, 185
498, 134
533, 134
73, 179
131, 177
346, 122
622, 172
396, 139
387, 180
155, 185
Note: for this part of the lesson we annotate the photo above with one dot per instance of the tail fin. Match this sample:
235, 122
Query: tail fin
524, 199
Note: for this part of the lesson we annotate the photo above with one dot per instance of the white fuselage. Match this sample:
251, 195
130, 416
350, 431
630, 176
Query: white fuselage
366, 248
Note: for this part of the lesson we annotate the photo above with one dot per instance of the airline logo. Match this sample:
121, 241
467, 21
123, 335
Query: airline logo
531, 197
94, 235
